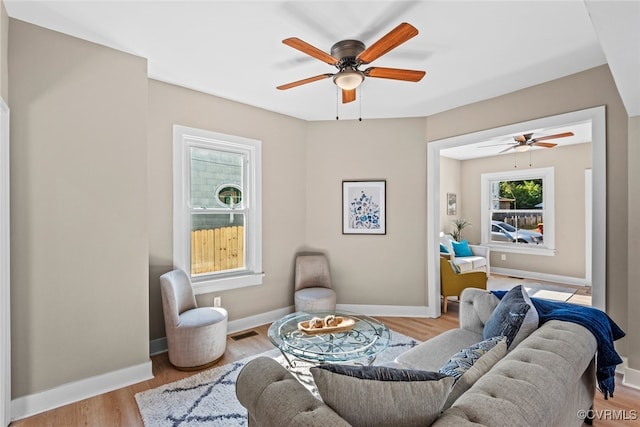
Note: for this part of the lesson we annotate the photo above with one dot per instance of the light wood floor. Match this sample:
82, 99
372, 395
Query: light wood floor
119, 408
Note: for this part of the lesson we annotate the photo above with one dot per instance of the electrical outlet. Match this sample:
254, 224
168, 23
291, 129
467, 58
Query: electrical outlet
503, 257
217, 301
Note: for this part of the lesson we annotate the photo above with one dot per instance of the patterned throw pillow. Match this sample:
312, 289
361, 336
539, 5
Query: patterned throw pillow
463, 360
368, 395
514, 317
468, 365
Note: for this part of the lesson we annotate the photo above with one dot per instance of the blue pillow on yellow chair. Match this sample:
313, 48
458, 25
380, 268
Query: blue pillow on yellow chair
461, 248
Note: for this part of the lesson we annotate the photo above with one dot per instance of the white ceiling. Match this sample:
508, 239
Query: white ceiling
471, 50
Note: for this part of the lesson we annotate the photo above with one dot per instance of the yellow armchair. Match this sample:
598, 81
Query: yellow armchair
452, 283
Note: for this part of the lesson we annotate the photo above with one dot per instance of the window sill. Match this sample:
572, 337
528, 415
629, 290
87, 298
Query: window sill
521, 249
226, 283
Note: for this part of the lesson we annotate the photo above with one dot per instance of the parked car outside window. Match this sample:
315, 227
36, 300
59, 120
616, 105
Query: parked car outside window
503, 232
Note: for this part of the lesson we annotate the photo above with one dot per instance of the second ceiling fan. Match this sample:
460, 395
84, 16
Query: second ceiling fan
348, 55
526, 141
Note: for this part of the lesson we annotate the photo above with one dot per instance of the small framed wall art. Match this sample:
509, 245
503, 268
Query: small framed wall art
364, 207
452, 204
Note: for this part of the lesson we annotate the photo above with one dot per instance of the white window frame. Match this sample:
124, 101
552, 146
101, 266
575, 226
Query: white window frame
183, 139
548, 200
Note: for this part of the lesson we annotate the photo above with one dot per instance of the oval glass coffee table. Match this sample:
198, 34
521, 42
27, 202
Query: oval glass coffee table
364, 341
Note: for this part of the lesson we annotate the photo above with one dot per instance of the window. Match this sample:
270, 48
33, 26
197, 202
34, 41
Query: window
217, 224
518, 211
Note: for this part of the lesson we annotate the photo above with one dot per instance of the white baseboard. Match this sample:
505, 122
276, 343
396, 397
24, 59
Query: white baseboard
631, 378
36, 403
567, 280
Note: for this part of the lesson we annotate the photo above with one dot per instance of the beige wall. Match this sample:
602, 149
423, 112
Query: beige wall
569, 164
450, 176
283, 151
588, 89
370, 269
79, 241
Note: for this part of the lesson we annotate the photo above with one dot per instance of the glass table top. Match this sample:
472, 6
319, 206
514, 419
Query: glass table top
366, 339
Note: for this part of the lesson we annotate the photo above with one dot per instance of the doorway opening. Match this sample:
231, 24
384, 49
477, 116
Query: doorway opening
595, 269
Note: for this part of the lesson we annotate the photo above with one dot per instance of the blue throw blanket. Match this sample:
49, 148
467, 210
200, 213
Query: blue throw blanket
598, 323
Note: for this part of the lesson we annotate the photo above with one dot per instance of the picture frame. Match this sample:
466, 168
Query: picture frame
452, 204
364, 207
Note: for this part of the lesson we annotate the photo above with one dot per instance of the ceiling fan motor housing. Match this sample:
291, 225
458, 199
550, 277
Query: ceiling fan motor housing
347, 51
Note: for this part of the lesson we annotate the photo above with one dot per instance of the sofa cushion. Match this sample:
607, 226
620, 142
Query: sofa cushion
470, 263
433, 353
382, 396
461, 248
515, 317
468, 365
443, 248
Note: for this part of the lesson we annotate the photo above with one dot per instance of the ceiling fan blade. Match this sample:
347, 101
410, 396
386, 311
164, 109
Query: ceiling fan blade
391, 40
544, 144
395, 74
348, 95
305, 47
558, 135
304, 81
507, 149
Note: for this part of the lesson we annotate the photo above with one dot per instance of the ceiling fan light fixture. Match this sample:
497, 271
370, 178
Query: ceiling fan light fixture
522, 148
348, 79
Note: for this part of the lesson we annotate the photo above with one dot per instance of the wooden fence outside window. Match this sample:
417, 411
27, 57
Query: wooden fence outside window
217, 249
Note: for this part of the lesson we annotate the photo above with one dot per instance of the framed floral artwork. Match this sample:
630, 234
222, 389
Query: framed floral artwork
364, 207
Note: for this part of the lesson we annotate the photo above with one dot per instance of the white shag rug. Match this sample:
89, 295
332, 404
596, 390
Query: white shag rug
208, 398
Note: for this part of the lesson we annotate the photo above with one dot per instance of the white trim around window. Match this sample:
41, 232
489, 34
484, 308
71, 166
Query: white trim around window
184, 138
548, 198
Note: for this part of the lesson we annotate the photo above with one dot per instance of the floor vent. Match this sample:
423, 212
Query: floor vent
244, 335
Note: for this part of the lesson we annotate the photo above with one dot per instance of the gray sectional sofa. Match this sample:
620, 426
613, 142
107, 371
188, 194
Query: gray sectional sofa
547, 379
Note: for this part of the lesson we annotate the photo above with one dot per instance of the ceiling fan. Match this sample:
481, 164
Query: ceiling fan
348, 55
525, 141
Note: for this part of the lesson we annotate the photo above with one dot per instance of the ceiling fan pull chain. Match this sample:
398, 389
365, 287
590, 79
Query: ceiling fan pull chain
338, 91
360, 103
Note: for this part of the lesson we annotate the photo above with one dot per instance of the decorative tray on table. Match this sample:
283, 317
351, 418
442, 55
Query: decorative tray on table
327, 325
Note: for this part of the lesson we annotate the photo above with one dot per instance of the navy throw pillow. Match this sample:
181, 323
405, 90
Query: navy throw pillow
508, 316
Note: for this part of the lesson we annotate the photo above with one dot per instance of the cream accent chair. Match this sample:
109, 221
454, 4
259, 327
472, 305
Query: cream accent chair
313, 289
196, 336
478, 262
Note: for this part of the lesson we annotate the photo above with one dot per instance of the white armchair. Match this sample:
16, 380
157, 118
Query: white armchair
479, 261
313, 288
196, 336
